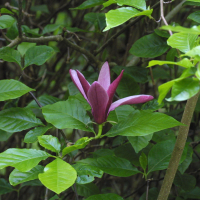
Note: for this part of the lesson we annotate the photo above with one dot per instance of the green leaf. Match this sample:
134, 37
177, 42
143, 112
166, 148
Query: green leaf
32, 135
127, 87
84, 179
87, 190
193, 194
89, 4
22, 159
16, 177
152, 105
134, 125
50, 28
96, 18
18, 119
121, 15
38, 55
85, 169
149, 46
126, 151
162, 33
4, 135
139, 142
140, 4
109, 196
67, 114
143, 161
195, 16
12, 89
194, 30
50, 142
6, 21
194, 53
79, 144
185, 181
58, 176
35, 182
112, 165
159, 155
184, 63
55, 197
108, 3
182, 41
5, 187
44, 100
24, 46
184, 89
167, 134
10, 55
185, 164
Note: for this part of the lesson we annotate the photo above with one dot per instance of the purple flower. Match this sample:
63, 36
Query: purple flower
100, 94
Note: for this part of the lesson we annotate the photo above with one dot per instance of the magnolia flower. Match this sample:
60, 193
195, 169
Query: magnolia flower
100, 94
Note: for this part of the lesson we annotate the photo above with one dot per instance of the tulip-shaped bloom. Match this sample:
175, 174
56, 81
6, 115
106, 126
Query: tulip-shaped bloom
100, 94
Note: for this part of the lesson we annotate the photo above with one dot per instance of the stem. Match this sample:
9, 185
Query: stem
178, 149
100, 131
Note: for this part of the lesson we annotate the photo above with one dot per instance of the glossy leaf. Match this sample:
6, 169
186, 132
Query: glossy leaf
24, 46
79, 144
84, 179
44, 100
87, 190
16, 177
195, 16
67, 114
12, 89
5, 187
139, 142
140, 4
112, 165
10, 55
38, 55
6, 21
134, 124
182, 41
32, 135
184, 89
85, 169
194, 52
89, 4
109, 196
159, 155
58, 176
121, 15
193, 30
22, 159
184, 63
18, 119
50, 142
193, 194
149, 46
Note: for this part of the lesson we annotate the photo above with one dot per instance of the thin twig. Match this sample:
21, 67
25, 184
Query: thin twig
46, 194
162, 15
20, 18
38, 103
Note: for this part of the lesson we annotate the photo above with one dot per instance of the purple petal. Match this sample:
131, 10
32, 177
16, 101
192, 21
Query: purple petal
104, 76
84, 82
98, 98
131, 100
112, 88
77, 82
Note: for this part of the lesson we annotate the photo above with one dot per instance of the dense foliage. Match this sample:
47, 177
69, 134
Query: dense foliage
62, 138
